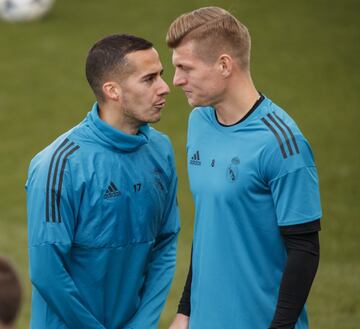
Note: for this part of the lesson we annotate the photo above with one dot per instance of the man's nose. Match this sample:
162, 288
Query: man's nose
164, 89
178, 80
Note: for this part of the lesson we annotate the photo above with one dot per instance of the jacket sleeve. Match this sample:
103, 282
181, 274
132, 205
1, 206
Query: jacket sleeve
161, 267
51, 224
51, 279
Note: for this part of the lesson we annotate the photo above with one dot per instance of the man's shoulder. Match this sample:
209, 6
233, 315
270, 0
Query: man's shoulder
199, 118
275, 122
161, 147
276, 115
159, 138
200, 112
281, 137
63, 147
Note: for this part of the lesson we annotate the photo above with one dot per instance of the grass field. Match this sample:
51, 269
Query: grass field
305, 57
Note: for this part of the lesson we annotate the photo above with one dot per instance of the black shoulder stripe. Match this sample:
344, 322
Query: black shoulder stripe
61, 179
277, 137
290, 132
47, 208
53, 190
283, 133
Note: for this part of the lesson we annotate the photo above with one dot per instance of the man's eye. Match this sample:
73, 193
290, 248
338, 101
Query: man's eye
150, 78
185, 69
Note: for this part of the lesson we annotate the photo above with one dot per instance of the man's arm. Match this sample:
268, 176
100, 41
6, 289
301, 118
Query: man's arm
302, 244
293, 182
185, 301
161, 267
157, 284
51, 223
181, 321
182, 317
51, 279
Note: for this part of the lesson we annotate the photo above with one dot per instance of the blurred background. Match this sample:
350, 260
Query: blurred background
305, 56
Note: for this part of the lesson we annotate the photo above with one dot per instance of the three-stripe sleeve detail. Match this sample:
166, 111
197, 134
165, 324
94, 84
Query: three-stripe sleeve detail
277, 126
283, 133
61, 179
290, 132
283, 152
53, 190
53, 184
47, 206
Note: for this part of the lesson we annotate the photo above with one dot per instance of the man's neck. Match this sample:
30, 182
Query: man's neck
114, 117
240, 97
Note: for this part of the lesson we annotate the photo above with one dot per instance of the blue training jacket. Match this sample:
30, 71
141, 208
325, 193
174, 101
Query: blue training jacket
102, 224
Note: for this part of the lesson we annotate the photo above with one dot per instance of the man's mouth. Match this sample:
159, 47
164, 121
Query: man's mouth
160, 105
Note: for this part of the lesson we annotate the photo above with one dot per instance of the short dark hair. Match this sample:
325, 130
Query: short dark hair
107, 57
10, 292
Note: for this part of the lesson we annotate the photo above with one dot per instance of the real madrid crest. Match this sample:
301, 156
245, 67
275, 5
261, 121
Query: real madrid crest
232, 170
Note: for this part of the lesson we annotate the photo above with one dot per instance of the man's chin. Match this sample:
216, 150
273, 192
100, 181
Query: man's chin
154, 119
194, 103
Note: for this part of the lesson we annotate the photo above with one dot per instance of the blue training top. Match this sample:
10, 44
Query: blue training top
102, 224
247, 180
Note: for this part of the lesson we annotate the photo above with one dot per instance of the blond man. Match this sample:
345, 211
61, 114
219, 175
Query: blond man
254, 181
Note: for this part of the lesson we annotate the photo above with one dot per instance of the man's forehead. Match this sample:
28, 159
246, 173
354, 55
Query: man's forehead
144, 60
194, 53
184, 52
141, 56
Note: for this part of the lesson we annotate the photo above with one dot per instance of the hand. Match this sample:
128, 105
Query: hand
181, 321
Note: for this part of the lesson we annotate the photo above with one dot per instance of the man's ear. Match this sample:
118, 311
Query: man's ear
225, 65
112, 90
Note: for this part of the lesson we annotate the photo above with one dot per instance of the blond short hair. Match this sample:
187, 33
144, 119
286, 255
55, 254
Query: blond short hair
214, 30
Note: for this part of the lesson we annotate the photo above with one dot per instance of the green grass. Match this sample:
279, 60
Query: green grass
304, 56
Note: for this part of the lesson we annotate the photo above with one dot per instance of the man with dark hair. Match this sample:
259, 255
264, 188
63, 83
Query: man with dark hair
10, 294
254, 181
102, 212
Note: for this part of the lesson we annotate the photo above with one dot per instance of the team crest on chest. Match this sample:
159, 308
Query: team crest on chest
232, 170
158, 176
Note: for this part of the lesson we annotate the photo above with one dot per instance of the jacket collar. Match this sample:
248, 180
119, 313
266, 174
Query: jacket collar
114, 137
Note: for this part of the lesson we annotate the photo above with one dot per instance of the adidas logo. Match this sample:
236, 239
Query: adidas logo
112, 191
195, 159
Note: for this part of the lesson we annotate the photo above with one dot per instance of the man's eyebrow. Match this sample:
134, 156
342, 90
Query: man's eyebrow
153, 74
183, 66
